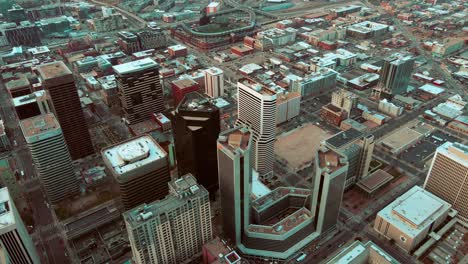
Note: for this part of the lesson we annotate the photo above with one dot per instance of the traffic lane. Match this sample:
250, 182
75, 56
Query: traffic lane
41, 213
329, 247
56, 251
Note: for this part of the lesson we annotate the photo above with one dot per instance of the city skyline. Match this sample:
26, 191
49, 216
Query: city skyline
233, 132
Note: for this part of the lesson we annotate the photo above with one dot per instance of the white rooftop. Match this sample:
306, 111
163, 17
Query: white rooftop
358, 252
177, 47
426, 206
214, 71
455, 151
7, 217
27, 99
429, 88
135, 66
132, 154
414, 211
258, 188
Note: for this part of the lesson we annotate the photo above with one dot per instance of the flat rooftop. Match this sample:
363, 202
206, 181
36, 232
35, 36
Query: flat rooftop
27, 99
214, 71
343, 138
414, 211
195, 101
53, 70
184, 83
135, 66
455, 151
21, 82
7, 216
401, 138
40, 124
357, 252
187, 189
374, 181
131, 154
257, 87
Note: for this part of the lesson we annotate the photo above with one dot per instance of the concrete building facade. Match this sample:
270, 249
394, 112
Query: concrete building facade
448, 176
141, 168
50, 155
15, 243
214, 82
411, 217
140, 89
171, 230
257, 110
255, 221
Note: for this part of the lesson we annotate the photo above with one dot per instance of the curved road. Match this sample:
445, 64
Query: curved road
139, 21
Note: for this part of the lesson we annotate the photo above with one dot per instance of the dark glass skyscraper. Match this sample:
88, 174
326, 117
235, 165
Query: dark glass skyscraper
58, 81
196, 129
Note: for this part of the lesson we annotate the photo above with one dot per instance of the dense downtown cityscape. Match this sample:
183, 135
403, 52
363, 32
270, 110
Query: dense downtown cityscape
233, 131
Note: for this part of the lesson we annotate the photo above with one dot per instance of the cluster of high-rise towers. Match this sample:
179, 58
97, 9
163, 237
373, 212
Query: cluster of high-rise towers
169, 218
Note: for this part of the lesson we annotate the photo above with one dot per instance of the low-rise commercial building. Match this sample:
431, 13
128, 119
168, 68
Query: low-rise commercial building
411, 217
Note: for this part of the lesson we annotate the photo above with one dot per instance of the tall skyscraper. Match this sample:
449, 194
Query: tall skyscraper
50, 155
329, 183
141, 168
395, 74
172, 230
58, 81
448, 176
196, 130
140, 89
357, 148
15, 242
234, 147
257, 110
278, 223
214, 82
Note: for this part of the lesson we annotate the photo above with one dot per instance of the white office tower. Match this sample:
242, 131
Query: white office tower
214, 82
16, 246
171, 230
51, 156
448, 176
257, 110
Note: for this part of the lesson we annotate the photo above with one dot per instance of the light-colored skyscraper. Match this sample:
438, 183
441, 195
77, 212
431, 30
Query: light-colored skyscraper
214, 82
50, 154
15, 243
171, 230
140, 89
257, 110
140, 167
448, 176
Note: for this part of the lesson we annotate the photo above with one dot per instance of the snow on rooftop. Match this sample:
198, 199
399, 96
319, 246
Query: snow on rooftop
135, 66
132, 154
